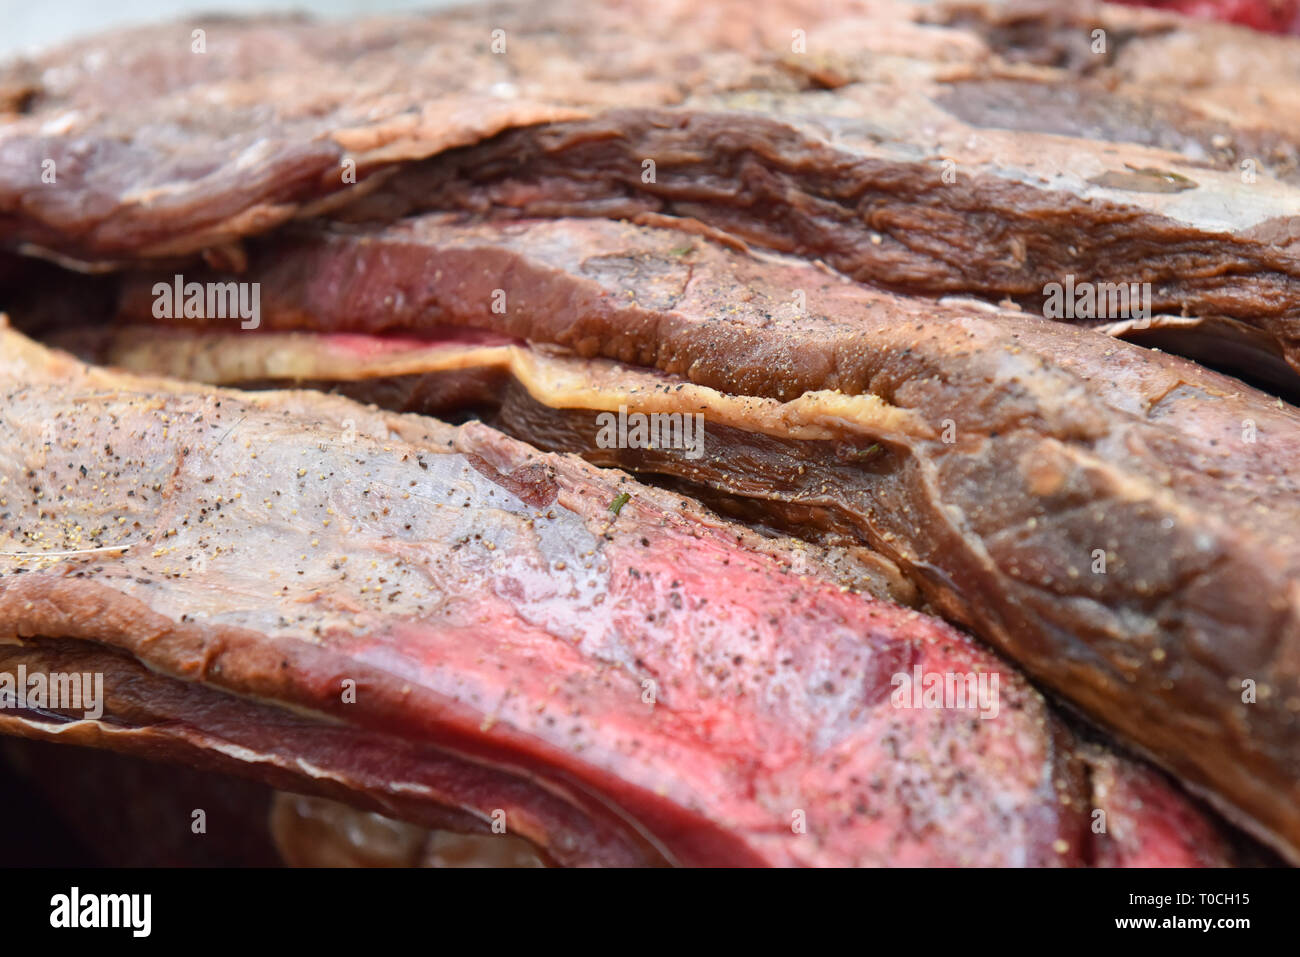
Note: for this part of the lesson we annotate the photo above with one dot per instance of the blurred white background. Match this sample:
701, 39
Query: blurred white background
27, 25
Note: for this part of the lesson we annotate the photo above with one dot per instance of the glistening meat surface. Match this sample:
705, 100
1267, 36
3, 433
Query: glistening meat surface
670, 676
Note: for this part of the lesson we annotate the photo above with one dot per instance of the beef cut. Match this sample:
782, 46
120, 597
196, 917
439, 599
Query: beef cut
1120, 522
976, 148
827, 243
627, 678
1213, 262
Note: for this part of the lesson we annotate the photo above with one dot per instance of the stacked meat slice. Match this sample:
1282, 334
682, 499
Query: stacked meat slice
826, 237
624, 678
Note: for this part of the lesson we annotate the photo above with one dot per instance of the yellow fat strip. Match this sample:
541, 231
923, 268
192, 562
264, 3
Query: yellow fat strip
559, 382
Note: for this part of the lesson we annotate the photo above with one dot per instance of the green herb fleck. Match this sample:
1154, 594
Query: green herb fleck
861, 455
620, 500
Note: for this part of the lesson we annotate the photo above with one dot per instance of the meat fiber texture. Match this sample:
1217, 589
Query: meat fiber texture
993, 149
879, 142
1120, 522
419, 617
